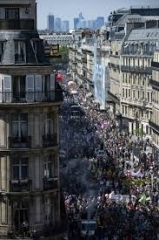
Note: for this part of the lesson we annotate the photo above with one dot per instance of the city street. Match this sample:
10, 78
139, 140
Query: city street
109, 192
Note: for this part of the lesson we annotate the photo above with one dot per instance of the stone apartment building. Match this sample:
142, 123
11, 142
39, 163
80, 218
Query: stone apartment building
154, 121
82, 58
136, 91
29, 127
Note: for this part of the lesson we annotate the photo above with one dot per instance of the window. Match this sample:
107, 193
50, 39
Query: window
35, 48
2, 45
11, 13
49, 167
20, 169
48, 125
20, 126
20, 52
19, 87
21, 210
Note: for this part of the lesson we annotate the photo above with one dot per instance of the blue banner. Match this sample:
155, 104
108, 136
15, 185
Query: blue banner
99, 85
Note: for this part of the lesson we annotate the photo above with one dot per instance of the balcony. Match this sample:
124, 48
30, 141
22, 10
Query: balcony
19, 142
136, 69
17, 24
31, 96
155, 64
154, 126
50, 140
20, 185
154, 83
50, 183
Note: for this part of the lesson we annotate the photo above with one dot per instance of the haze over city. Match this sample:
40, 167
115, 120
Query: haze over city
68, 9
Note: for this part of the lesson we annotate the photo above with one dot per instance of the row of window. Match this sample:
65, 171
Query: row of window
156, 138
155, 116
155, 75
133, 62
138, 48
19, 50
19, 126
136, 94
22, 86
135, 79
155, 96
156, 57
127, 111
20, 168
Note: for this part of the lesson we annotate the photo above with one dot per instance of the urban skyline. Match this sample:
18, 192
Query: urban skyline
57, 24
69, 9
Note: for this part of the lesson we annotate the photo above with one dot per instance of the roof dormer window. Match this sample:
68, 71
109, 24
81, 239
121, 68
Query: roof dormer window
2, 45
12, 13
20, 52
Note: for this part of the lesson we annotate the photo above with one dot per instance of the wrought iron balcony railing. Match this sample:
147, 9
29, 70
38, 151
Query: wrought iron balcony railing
19, 142
154, 126
139, 69
17, 24
50, 140
155, 64
50, 183
31, 96
20, 185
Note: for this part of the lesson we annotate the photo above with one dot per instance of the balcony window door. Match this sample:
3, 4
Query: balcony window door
21, 211
49, 167
48, 125
20, 126
12, 13
19, 88
5, 88
20, 169
29, 88
50, 86
2, 46
20, 52
38, 88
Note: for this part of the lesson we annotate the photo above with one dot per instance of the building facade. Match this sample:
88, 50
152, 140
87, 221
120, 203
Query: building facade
29, 140
136, 96
154, 121
50, 23
57, 38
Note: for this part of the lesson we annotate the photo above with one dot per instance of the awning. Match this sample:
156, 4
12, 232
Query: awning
89, 95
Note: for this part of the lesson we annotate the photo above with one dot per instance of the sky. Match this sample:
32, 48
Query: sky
68, 9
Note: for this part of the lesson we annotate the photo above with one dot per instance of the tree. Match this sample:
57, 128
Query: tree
61, 62
64, 52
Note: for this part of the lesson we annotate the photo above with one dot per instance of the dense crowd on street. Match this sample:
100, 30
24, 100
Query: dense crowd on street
116, 188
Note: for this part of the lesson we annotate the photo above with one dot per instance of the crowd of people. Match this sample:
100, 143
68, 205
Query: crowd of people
102, 178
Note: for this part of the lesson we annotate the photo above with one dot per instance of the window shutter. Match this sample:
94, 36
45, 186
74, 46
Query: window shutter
52, 87
1, 88
38, 88
30, 88
7, 86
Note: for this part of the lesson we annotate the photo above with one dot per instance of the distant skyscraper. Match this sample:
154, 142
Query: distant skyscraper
65, 26
81, 24
99, 22
57, 24
76, 21
81, 16
50, 22
90, 24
